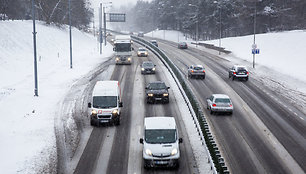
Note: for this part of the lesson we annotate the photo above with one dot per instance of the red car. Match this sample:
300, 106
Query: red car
182, 45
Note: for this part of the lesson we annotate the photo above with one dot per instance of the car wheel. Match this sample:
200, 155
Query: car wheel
92, 123
211, 112
203, 77
117, 122
233, 77
229, 76
246, 79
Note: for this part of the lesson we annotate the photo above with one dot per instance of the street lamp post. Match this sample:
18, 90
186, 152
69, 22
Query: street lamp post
70, 36
35, 53
197, 22
254, 43
220, 25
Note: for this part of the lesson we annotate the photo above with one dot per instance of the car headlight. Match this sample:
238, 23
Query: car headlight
149, 152
153, 69
142, 69
94, 112
174, 151
166, 94
150, 95
146, 53
115, 112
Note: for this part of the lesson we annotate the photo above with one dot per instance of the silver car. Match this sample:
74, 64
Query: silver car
196, 71
219, 103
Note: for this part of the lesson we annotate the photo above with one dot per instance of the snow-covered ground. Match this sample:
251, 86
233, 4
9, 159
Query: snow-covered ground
27, 122
281, 64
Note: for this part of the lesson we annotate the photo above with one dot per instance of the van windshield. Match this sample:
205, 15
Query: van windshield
160, 136
104, 101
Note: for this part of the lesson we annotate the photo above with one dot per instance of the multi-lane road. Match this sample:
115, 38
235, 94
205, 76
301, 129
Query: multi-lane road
265, 134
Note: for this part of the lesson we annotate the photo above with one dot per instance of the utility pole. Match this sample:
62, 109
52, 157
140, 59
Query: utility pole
70, 36
104, 18
35, 54
254, 43
100, 27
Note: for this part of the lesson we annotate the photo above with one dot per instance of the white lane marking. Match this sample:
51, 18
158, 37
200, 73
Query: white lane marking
302, 118
295, 114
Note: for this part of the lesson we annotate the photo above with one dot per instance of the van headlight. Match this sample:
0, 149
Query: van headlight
149, 152
115, 112
174, 151
153, 69
165, 94
129, 59
94, 112
117, 59
150, 95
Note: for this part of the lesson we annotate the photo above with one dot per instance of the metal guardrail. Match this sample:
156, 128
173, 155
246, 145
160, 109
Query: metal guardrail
214, 155
211, 46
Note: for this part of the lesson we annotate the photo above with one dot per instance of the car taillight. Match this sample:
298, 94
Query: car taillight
230, 105
191, 70
204, 71
214, 105
247, 73
234, 72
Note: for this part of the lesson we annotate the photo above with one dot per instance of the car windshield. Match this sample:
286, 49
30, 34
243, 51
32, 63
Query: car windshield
142, 49
123, 47
222, 100
183, 43
160, 136
198, 68
104, 101
157, 86
241, 69
147, 64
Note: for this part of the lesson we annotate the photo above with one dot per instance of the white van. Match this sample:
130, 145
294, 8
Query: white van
105, 104
160, 142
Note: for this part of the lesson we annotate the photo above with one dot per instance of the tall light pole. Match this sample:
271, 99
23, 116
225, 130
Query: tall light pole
220, 25
35, 54
254, 43
197, 22
70, 36
100, 27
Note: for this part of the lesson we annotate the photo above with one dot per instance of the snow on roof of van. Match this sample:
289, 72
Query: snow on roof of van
159, 123
106, 88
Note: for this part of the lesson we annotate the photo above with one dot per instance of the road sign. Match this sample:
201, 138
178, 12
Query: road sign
116, 17
255, 51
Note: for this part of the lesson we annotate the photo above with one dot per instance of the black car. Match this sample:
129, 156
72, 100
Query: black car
147, 67
157, 92
239, 72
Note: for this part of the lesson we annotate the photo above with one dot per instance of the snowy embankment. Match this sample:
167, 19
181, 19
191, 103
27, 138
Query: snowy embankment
27, 123
280, 64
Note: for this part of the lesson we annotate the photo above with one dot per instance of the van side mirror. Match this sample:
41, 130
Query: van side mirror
120, 104
146, 88
132, 48
180, 140
141, 140
168, 87
89, 105
154, 65
114, 49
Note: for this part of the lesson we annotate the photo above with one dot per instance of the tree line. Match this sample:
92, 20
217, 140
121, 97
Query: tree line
234, 17
50, 11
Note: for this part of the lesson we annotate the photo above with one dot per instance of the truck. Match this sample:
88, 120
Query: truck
105, 103
160, 142
123, 49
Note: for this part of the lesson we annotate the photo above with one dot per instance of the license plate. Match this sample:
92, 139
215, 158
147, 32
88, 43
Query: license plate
158, 98
103, 121
160, 162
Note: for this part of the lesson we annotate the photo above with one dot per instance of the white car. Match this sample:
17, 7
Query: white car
142, 52
219, 103
160, 142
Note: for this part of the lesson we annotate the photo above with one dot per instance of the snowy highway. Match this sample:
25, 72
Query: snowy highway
263, 135
116, 149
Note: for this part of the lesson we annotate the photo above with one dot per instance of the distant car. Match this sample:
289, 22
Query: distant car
154, 42
219, 103
140, 34
182, 45
142, 52
239, 72
197, 71
148, 67
157, 92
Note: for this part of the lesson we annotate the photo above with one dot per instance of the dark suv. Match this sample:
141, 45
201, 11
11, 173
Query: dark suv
148, 67
157, 91
238, 71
